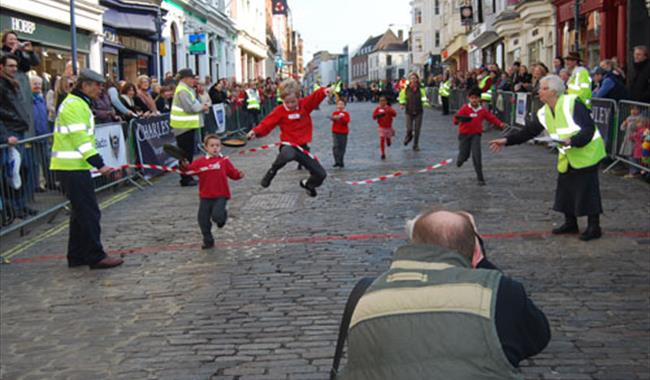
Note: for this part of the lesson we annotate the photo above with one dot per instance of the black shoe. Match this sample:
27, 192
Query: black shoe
388, 142
383, 156
107, 263
416, 148
207, 245
336, 166
591, 233
459, 163
408, 139
188, 183
566, 228
268, 177
481, 182
310, 190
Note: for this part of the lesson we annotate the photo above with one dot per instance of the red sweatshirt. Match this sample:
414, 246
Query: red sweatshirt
475, 127
295, 126
385, 121
340, 126
214, 183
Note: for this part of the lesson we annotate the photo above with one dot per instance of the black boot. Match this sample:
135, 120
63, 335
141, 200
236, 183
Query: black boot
593, 230
570, 226
268, 177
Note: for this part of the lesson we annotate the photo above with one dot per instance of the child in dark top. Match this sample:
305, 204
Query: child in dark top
213, 187
470, 117
384, 114
340, 120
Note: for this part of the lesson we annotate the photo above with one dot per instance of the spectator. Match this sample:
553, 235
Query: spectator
169, 79
24, 53
639, 87
558, 64
427, 316
608, 85
127, 97
102, 107
50, 100
63, 87
219, 95
565, 75
539, 71
523, 79
164, 100
114, 94
203, 98
612, 65
42, 127
143, 100
14, 117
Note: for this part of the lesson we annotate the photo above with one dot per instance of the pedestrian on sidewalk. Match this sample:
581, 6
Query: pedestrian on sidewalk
413, 99
384, 114
340, 120
73, 156
470, 128
580, 150
185, 118
214, 191
294, 119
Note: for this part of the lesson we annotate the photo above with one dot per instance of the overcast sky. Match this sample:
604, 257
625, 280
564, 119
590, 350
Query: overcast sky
332, 24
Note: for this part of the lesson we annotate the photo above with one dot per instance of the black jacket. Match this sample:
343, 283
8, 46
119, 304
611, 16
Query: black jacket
13, 114
25, 59
217, 96
640, 82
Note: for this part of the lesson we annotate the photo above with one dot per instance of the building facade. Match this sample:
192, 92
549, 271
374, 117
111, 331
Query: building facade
389, 63
426, 35
249, 18
454, 37
359, 63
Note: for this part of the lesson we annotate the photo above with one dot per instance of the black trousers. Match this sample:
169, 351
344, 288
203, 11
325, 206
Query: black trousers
211, 210
340, 142
413, 127
289, 153
84, 241
467, 144
187, 143
445, 105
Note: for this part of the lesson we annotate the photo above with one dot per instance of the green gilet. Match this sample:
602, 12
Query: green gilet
74, 135
445, 88
487, 95
430, 316
560, 125
178, 118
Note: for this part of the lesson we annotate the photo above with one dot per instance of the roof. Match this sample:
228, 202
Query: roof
370, 42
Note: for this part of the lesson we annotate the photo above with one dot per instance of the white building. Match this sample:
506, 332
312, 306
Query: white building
454, 37
389, 63
249, 18
426, 34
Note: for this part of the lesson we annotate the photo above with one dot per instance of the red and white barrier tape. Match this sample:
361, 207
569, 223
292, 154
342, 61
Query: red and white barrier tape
266, 147
399, 174
167, 168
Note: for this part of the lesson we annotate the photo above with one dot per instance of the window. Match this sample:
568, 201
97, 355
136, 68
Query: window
418, 45
418, 16
437, 38
389, 60
437, 7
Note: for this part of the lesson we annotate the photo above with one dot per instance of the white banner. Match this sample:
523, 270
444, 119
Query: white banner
219, 113
520, 117
110, 145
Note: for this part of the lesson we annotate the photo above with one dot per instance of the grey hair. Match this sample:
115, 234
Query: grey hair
555, 84
35, 78
643, 48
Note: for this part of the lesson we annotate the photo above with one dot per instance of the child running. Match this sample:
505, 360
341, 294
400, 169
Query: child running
384, 115
293, 117
213, 187
471, 117
340, 120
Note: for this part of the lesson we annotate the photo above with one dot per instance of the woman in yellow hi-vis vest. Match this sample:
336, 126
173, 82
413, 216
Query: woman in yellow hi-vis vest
185, 118
580, 149
73, 156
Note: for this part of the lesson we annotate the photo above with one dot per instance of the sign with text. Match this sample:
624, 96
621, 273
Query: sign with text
198, 43
151, 134
219, 113
602, 112
111, 145
520, 110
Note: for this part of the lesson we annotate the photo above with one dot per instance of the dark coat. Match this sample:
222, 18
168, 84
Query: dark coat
12, 113
639, 88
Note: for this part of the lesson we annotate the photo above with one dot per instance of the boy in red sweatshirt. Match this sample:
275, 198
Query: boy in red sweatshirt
340, 120
384, 114
471, 117
293, 117
213, 187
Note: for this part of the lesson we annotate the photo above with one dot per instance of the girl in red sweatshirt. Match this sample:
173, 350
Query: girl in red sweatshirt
293, 117
340, 120
471, 117
213, 187
384, 115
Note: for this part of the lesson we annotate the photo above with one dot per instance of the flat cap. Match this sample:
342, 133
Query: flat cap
184, 73
598, 70
88, 74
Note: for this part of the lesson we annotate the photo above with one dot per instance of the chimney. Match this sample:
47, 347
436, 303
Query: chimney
400, 35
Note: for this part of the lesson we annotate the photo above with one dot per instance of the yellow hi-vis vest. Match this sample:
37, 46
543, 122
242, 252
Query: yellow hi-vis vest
74, 135
561, 126
423, 96
278, 98
487, 95
445, 88
580, 84
178, 118
252, 99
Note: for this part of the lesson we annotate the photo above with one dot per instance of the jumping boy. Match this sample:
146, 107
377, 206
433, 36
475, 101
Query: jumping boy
213, 187
293, 117
471, 117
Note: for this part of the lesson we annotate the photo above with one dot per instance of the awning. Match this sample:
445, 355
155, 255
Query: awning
132, 21
485, 39
460, 42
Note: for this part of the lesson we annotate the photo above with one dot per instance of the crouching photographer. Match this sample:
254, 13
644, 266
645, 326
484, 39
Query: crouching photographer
442, 311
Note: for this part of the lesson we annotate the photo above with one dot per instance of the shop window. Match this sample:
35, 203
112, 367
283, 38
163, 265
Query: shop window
534, 50
593, 52
111, 66
53, 60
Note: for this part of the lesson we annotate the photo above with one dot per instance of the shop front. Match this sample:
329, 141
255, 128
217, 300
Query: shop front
454, 55
51, 41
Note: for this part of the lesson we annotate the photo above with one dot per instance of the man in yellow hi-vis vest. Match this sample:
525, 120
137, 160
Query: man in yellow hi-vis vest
73, 156
580, 150
185, 117
579, 83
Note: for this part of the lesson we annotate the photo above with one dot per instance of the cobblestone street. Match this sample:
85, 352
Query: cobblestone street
266, 302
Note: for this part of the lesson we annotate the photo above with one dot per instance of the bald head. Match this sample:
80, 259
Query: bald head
452, 230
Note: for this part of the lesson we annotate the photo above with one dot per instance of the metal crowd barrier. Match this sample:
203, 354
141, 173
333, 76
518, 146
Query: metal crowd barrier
629, 136
33, 192
433, 96
457, 97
